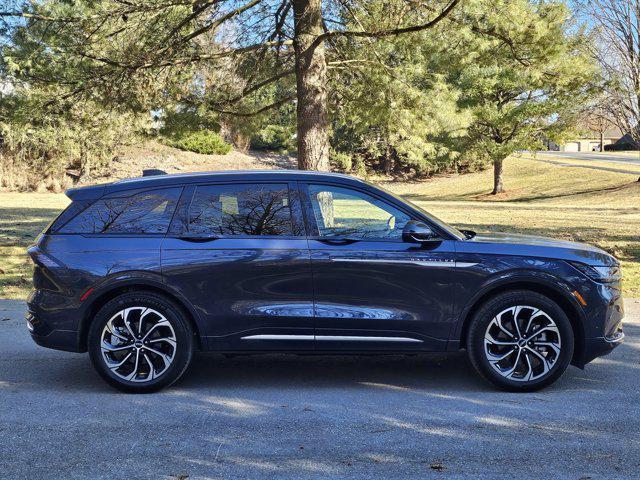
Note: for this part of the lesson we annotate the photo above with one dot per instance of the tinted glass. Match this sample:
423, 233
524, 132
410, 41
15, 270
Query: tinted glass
343, 212
68, 213
146, 212
248, 209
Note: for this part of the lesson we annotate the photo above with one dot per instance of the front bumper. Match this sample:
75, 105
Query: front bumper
598, 347
603, 326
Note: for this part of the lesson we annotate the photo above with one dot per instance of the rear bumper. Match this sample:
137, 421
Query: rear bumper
48, 337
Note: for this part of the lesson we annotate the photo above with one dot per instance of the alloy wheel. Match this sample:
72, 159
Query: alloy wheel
522, 343
138, 344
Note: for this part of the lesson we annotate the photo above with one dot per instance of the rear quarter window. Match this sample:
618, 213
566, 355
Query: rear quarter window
147, 212
68, 213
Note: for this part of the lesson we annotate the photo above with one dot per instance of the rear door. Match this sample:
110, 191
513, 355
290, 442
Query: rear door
238, 252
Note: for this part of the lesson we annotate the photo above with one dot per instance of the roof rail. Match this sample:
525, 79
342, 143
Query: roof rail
149, 172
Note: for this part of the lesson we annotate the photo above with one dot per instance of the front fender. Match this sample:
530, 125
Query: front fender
511, 280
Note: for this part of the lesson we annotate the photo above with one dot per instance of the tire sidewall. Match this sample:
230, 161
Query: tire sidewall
490, 309
173, 314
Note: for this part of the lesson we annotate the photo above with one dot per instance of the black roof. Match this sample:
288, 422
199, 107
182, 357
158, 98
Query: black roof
96, 191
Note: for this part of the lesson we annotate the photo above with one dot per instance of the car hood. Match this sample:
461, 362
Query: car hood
530, 245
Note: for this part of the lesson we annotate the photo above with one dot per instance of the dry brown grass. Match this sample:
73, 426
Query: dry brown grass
132, 160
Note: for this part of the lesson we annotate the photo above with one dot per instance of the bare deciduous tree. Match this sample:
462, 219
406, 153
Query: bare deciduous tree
617, 29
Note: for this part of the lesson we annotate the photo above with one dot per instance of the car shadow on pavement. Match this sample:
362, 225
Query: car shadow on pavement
450, 370
34, 368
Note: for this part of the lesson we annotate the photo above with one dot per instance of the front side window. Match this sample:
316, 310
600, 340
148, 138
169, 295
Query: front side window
341, 212
241, 209
142, 213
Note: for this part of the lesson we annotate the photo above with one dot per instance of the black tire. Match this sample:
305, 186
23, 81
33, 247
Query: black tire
178, 322
485, 316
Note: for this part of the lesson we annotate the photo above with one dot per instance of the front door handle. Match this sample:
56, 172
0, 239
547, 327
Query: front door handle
338, 240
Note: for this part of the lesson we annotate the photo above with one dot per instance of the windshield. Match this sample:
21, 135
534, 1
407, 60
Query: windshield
443, 225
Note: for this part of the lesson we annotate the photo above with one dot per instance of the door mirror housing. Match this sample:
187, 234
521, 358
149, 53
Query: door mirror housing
419, 232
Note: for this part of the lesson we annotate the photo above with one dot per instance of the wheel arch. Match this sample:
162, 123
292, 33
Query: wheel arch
104, 295
563, 299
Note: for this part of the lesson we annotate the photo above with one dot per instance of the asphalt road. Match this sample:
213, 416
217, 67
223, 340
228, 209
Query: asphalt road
308, 417
601, 157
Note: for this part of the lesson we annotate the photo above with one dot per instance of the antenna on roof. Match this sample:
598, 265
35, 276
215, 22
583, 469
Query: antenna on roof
149, 172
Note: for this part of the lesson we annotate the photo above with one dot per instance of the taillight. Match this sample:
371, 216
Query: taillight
40, 258
47, 268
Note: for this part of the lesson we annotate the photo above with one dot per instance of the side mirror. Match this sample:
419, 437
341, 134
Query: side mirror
418, 232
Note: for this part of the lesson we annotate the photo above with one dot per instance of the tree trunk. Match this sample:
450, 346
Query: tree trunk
387, 162
497, 177
311, 80
602, 141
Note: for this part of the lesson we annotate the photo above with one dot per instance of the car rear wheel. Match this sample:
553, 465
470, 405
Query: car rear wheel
140, 342
520, 341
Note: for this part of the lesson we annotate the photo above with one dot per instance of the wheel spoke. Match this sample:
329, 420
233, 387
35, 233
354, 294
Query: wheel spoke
551, 345
499, 358
516, 312
113, 332
134, 373
164, 356
115, 366
170, 341
533, 315
162, 323
110, 348
529, 374
545, 362
125, 319
152, 370
142, 314
498, 322
510, 371
553, 329
489, 338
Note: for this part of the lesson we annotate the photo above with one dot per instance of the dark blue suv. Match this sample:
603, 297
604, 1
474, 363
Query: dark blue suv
140, 273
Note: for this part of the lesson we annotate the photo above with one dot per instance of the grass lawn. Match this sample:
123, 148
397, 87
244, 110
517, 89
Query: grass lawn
598, 207
22, 217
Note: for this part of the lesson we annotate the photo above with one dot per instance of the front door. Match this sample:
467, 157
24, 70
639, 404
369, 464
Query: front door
372, 290
239, 253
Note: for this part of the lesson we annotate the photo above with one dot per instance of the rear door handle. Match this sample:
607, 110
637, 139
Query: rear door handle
199, 239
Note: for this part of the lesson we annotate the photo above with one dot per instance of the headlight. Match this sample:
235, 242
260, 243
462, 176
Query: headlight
599, 273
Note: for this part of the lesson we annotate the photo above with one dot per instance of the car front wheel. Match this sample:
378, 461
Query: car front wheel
520, 341
140, 342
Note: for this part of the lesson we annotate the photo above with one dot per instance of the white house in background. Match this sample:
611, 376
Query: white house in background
592, 141
595, 131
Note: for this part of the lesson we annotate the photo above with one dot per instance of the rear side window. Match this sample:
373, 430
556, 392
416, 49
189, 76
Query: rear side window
241, 209
145, 212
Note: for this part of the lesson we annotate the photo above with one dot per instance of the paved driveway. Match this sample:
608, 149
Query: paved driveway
306, 417
601, 157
